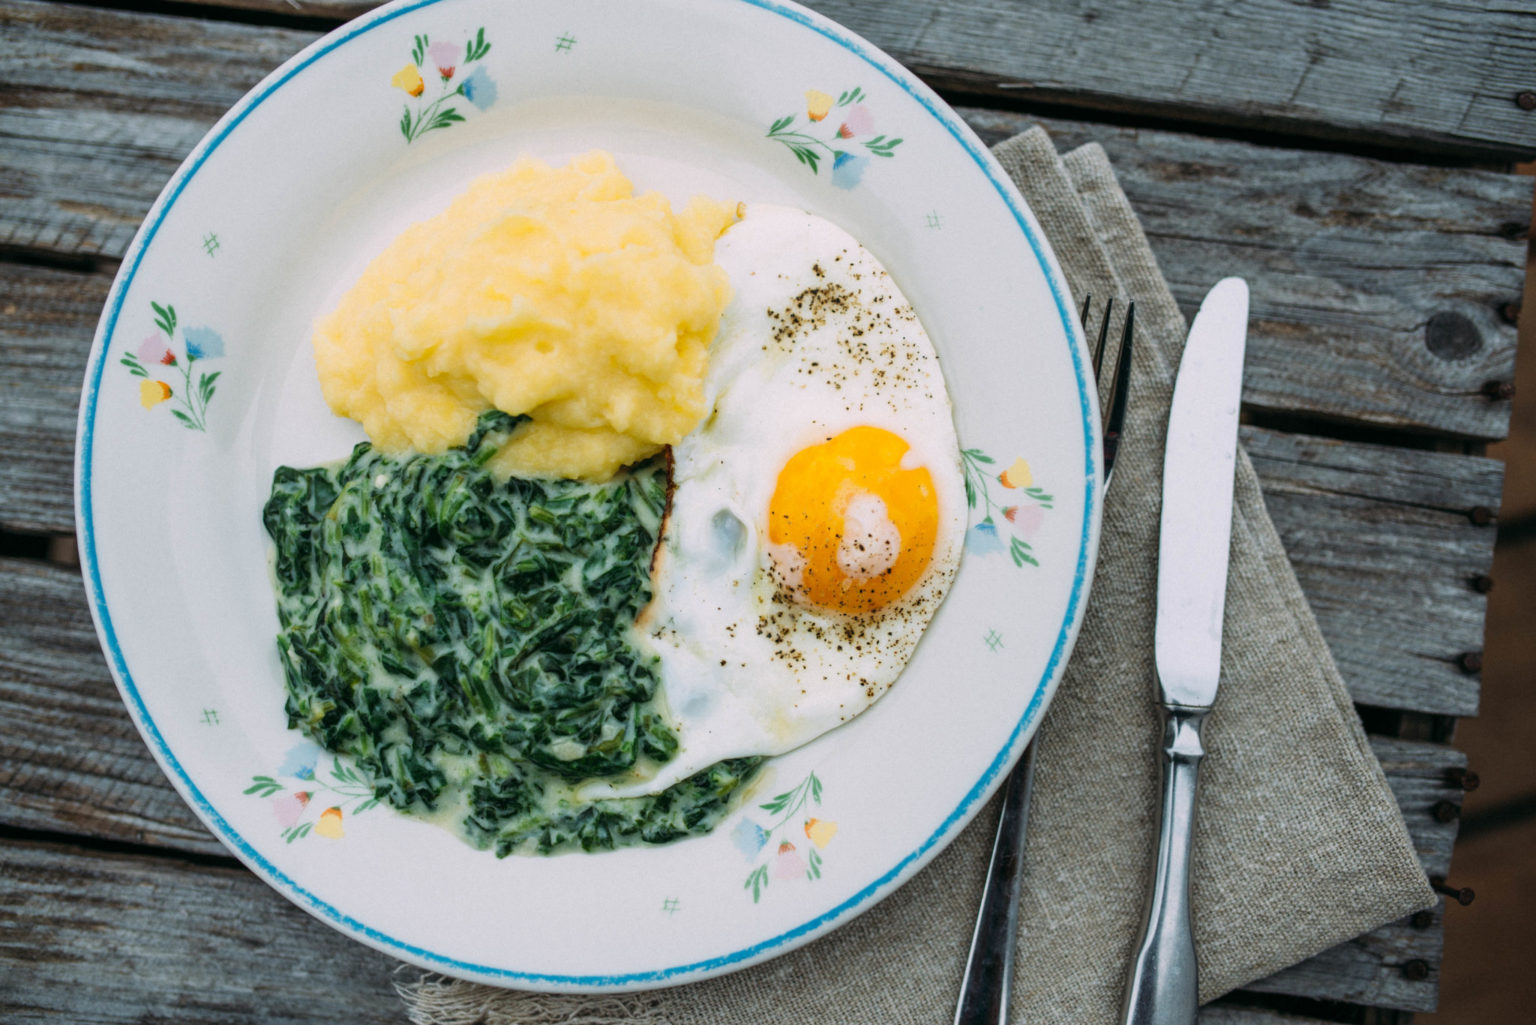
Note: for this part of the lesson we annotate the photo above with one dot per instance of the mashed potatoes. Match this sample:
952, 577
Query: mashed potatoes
552, 292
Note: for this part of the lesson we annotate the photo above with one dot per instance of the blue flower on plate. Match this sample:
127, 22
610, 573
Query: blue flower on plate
749, 838
847, 170
203, 343
479, 89
301, 761
982, 538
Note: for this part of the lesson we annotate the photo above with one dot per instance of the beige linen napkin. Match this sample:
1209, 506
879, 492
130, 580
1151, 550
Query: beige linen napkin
1299, 844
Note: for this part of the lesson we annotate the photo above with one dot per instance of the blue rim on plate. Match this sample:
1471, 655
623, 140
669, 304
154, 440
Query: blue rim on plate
786, 940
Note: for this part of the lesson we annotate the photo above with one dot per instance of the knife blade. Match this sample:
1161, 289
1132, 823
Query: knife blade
1198, 471
1199, 466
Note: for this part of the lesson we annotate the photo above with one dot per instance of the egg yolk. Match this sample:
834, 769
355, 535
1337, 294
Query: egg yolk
852, 529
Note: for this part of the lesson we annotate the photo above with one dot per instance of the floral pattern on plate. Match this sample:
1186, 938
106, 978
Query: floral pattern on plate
1023, 512
777, 856
440, 63
812, 143
311, 803
144, 362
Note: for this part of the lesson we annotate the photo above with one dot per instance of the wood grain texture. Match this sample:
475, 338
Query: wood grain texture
1385, 548
1349, 259
71, 760
1435, 76
109, 938
47, 319
206, 919
112, 938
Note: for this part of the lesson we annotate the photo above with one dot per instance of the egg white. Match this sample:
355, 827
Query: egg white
817, 340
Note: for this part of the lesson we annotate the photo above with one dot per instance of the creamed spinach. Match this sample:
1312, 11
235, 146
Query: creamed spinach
464, 640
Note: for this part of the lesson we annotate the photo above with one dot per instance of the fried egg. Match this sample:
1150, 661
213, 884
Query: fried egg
817, 512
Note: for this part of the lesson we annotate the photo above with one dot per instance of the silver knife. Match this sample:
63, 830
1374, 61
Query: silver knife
1198, 471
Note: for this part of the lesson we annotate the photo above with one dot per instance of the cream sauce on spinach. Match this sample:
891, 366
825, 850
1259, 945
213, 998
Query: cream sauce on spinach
465, 640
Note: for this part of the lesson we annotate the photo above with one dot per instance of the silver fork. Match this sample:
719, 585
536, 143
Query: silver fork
984, 993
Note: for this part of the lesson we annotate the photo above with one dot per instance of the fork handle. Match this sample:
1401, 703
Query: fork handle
1162, 986
989, 968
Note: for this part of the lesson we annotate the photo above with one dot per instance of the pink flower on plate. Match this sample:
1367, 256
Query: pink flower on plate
289, 808
445, 56
788, 864
858, 122
153, 350
1026, 519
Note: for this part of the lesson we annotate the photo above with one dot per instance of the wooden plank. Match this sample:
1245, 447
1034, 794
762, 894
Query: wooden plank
118, 938
1435, 76
170, 899
47, 319
1385, 546
1351, 260
79, 766
1378, 288
104, 938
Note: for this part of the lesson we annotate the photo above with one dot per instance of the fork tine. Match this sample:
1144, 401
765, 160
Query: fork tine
1082, 317
1098, 350
1119, 392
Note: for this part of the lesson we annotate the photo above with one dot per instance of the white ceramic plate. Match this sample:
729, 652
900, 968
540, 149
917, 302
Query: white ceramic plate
268, 222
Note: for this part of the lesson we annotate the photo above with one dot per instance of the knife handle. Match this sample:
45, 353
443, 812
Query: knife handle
1162, 988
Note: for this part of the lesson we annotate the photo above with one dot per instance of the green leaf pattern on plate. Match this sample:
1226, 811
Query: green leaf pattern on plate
313, 800
190, 396
811, 143
770, 847
454, 74
1019, 502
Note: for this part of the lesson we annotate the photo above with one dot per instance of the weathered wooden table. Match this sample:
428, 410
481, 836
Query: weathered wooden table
1351, 159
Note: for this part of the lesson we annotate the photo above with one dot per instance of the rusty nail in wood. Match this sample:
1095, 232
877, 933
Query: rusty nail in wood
1464, 778
1510, 312
1482, 583
1416, 970
1446, 811
1422, 919
1480, 515
1516, 231
1462, 895
1525, 99
1470, 662
1501, 391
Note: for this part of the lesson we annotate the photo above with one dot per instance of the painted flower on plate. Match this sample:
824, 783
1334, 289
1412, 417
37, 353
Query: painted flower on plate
152, 393
848, 170
301, 761
479, 88
409, 79
444, 56
153, 350
330, 824
820, 831
1027, 519
788, 864
817, 104
289, 808
858, 122
749, 838
982, 538
203, 343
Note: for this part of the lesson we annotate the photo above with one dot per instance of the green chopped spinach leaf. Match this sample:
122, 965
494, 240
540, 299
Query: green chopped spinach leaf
464, 639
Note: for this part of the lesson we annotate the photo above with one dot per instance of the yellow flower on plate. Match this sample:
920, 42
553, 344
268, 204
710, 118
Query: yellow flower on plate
820, 832
152, 393
409, 79
817, 104
1017, 475
330, 823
